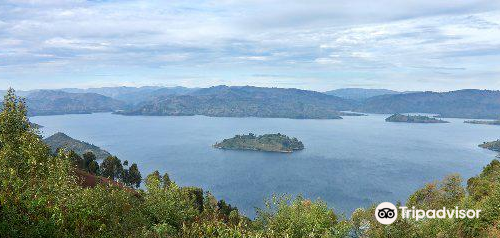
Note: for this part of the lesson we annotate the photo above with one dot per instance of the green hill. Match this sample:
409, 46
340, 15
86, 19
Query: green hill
61, 140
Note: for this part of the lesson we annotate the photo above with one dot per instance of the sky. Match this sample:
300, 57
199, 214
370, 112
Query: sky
318, 45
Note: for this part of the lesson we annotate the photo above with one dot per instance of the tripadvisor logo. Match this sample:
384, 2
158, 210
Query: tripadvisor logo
386, 213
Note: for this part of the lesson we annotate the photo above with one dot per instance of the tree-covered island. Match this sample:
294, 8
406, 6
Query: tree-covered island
268, 142
413, 119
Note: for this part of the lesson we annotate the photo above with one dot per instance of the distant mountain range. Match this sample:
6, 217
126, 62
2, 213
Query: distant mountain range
20, 93
247, 101
133, 95
52, 102
359, 94
469, 103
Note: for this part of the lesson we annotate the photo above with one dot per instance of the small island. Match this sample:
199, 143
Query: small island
268, 142
497, 122
413, 119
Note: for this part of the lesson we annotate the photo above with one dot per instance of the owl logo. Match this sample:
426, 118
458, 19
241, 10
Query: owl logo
386, 213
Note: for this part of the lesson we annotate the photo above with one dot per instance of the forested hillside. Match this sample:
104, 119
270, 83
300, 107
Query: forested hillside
63, 141
224, 101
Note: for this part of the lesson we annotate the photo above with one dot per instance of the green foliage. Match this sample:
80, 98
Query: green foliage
90, 163
33, 184
76, 159
112, 168
104, 212
169, 207
483, 194
166, 180
195, 195
225, 209
132, 176
284, 217
446, 193
482, 186
267, 142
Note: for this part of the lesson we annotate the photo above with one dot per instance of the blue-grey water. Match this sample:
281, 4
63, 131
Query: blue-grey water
348, 163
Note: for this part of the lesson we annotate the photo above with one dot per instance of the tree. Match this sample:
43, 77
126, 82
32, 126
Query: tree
76, 159
90, 163
33, 182
14, 126
112, 168
166, 180
195, 195
225, 209
287, 217
446, 193
134, 176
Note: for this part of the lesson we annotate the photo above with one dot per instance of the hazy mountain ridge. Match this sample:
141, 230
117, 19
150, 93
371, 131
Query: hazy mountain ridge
53, 102
247, 101
359, 93
20, 93
134, 95
467, 103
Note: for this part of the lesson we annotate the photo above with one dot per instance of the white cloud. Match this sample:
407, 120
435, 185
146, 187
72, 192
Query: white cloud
333, 59
256, 58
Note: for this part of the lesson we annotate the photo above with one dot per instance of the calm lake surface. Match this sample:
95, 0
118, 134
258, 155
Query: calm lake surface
348, 163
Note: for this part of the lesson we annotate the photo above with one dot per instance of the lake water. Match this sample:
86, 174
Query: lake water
348, 163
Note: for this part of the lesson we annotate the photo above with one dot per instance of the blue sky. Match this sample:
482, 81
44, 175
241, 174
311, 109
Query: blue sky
319, 45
